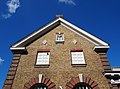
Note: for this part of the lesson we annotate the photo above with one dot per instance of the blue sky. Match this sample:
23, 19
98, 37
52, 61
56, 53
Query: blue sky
18, 18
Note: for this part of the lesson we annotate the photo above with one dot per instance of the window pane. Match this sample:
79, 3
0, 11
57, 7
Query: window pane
77, 58
81, 86
39, 86
43, 58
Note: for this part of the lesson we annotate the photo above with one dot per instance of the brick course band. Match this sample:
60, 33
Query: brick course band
86, 80
76, 50
12, 71
105, 62
45, 80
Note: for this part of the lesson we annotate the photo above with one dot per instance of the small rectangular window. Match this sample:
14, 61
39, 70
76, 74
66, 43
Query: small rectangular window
77, 57
59, 37
43, 58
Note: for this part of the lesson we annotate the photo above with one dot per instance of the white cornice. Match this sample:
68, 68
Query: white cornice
18, 48
101, 46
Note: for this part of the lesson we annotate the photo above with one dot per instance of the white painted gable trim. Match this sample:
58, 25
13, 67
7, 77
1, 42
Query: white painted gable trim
99, 46
83, 32
78, 33
35, 33
72, 27
17, 48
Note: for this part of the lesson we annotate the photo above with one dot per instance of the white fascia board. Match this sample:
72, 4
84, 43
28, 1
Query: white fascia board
18, 48
112, 74
84, 32
101, 46
35, 33
78, 33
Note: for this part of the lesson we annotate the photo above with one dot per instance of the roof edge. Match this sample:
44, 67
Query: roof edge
95, 40
101, 48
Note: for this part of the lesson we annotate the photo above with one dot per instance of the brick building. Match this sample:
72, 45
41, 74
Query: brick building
61, 55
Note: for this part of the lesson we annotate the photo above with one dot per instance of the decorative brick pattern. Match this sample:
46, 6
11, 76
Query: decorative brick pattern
86, 80
77, 79
76, 50
94, 85
36, 80
47, 80
27, 85
69, 85
105, 62
51, 86
10, 77
7, 87
91, 82
72, 82
8, 82
12, 71
15, 61
44, 80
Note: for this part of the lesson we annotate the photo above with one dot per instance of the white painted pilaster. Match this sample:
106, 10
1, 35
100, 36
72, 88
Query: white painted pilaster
81, 77
40, 78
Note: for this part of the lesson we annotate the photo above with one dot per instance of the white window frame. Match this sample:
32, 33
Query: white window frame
77, 58
43, 58
59, 39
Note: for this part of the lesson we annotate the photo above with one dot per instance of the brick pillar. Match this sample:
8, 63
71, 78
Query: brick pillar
12, 71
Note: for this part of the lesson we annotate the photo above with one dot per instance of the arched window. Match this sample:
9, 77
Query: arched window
81, 86
39, 86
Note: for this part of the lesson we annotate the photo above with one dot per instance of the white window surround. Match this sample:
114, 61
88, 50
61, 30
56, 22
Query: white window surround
59, 37
77, 58
43, 58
